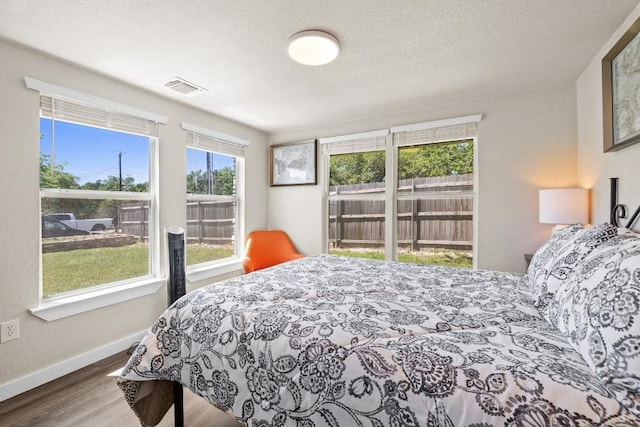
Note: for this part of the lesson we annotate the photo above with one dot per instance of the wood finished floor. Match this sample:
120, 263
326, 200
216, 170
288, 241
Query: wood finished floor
90, 398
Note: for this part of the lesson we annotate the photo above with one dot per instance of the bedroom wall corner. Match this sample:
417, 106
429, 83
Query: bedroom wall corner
594, 166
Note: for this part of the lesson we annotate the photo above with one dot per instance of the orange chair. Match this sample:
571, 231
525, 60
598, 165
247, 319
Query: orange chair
264, 248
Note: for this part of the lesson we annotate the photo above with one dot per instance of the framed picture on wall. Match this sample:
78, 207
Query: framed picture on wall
293, 163
621, 91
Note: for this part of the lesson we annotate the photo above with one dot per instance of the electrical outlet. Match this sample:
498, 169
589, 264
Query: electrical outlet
9, 330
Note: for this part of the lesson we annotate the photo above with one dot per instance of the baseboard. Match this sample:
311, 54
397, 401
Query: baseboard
50, 373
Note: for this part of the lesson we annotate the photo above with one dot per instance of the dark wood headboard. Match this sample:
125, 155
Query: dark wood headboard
619, 211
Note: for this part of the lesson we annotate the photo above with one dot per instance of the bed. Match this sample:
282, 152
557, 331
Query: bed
336, 341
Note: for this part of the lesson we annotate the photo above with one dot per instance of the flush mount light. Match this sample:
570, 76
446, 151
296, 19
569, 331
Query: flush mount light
313, 47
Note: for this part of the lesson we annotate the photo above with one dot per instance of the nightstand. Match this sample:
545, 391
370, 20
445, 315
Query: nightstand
527, 261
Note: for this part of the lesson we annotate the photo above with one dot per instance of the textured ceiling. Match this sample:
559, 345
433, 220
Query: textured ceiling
397, 55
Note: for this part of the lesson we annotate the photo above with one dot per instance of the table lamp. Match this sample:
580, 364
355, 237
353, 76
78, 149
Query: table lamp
564, 206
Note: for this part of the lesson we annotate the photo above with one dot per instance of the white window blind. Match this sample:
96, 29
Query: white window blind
210, 140
437, 131
68, 110
418, 133
68, 105
355, 143
203, 142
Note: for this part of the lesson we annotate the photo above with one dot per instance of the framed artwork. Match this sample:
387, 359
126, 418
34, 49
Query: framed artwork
621, 91
293, 163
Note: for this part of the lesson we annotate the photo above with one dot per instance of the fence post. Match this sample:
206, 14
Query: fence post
414, 224
142, 215
120, 217
200, 216
338, 221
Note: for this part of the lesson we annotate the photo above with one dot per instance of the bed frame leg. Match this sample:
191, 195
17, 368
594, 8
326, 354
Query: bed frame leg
178, 405
613, 200
176, 288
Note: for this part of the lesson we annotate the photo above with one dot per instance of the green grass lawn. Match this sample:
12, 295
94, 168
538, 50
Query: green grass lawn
197, 254
72, 270
82, 268
448, 258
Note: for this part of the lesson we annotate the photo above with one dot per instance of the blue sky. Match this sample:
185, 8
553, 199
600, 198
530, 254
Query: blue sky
91, 154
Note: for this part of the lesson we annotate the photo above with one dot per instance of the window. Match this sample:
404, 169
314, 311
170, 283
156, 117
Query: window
408, 196
96, 195
356, 197
214, 165
435, 203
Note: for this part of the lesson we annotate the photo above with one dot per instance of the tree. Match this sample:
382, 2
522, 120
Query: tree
112, 183
222, 182
357, 168
196, 182
420, 161
435, 160
55, 177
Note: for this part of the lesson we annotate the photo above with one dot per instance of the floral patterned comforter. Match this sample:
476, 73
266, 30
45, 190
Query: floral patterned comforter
333, 341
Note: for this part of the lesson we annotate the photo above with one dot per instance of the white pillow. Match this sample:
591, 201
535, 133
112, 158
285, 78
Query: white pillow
548, 250
598, 310
567, 257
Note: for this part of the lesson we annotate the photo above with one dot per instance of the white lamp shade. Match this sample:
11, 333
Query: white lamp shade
564, 206
313, 47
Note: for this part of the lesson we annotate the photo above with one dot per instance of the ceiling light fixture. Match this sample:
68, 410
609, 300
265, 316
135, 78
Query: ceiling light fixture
313, 47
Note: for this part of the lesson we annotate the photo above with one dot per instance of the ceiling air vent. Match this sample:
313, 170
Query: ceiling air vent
184, 87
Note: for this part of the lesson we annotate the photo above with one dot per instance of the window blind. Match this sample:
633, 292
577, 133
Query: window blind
436, 131
355, 143
203, 142
63, 104
418, 133
210, 140
69, 110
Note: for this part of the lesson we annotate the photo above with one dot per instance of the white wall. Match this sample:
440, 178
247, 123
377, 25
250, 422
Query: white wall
43, 344
526, 141
595, 166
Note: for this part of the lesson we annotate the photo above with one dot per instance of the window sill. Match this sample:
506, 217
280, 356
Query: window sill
209, 271
76, 304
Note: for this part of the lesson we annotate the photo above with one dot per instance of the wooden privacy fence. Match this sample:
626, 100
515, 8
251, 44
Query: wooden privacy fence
424, 219
133, 219
209, 222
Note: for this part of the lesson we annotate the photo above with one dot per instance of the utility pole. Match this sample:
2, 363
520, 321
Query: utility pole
120, 170
209, 173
